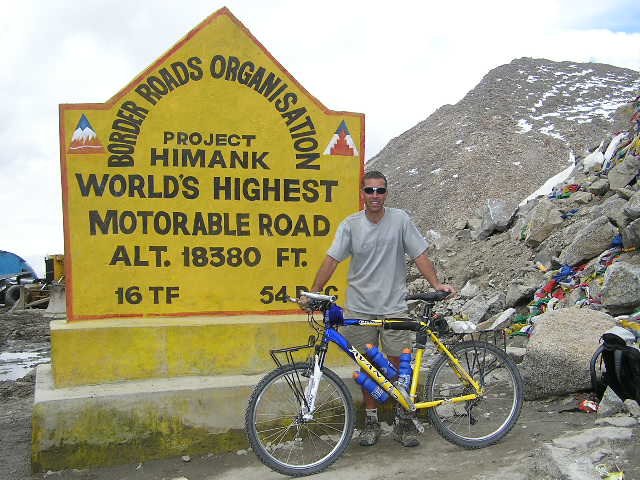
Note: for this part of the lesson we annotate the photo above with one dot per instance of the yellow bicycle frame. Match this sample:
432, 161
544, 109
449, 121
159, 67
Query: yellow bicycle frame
400, 397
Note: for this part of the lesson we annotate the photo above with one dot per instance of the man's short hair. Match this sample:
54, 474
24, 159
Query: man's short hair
374, 174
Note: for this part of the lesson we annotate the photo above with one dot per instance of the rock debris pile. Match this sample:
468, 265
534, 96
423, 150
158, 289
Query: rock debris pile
561, 268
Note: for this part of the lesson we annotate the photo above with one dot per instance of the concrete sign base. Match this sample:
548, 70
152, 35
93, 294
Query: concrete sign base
103, 425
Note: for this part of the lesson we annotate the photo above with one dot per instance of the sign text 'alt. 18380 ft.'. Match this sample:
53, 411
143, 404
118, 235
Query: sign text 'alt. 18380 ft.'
213, 183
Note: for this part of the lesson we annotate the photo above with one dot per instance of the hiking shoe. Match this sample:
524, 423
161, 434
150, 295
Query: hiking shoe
369, 434
405, 432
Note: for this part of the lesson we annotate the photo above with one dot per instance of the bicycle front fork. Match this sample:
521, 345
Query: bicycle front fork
311, 390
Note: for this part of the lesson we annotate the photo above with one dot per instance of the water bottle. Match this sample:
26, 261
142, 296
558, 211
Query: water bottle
372, 387
406, 372
380, 361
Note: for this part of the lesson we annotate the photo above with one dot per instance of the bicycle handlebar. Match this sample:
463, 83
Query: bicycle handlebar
427, 297
315, 296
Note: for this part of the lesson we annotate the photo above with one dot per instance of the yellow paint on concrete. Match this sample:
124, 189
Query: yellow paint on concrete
105, 351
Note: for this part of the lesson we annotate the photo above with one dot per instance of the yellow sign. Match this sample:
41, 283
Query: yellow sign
212, 183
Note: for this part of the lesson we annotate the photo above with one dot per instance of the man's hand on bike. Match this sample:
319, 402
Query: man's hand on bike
311, 301
445, 288
304, 303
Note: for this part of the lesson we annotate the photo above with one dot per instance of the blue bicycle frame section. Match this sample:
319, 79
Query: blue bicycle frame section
333, 318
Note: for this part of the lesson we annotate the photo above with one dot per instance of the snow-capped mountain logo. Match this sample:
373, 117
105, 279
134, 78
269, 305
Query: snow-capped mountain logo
342, 143
84, 139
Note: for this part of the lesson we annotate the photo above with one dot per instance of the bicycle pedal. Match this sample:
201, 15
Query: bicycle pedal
418, 425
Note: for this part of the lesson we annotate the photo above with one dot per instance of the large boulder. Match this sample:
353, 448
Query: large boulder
560, 349
614, 209
521, 291
582, 198
496, 215
482, 307
589, 242
631, 234
620, 175
624, 192
632, 208
499, 320
543, 220
437, 240
470, 289
599, 187
621, 289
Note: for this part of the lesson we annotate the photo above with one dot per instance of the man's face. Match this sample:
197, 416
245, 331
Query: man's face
374, 202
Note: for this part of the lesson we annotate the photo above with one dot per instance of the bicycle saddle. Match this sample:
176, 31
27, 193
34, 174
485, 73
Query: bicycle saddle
428, 297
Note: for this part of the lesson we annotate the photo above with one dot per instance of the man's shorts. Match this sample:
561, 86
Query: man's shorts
393, 341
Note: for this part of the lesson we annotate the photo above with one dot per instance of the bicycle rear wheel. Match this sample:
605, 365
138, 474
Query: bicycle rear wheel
483, 421
279, 435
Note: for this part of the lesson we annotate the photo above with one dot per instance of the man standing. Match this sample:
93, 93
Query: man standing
377, 239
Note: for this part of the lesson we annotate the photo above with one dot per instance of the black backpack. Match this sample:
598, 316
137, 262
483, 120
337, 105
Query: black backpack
621, 368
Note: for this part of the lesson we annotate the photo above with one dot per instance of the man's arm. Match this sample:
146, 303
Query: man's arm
428, 271
324, 273
322, 277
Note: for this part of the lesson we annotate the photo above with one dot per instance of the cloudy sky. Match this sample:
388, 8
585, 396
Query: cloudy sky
396, 64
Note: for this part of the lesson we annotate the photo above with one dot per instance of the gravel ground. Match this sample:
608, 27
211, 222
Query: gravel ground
520, 455
24, 342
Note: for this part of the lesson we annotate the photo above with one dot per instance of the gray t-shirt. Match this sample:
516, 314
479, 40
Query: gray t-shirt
378, 273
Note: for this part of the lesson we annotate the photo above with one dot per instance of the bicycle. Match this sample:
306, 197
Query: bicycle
300, 416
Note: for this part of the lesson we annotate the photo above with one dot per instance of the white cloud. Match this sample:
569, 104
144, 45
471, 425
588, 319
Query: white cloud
396, 63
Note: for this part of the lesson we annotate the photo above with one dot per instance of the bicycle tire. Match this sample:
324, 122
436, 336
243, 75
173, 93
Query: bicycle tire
483, 421
598, 382
281, 439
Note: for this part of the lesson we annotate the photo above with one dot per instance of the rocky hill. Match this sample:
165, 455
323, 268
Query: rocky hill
560, 269
505, 138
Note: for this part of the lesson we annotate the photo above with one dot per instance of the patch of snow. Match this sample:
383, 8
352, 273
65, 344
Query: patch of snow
524, 126
458, 142
413, 171
15, 365
517, 164
552, 114
436, 171
455, 175
545, 95
548, 130
547, 188
579, 74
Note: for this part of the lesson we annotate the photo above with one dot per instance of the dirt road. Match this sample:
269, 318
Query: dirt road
528, 452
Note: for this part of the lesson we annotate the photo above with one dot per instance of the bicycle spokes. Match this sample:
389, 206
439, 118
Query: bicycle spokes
482, 420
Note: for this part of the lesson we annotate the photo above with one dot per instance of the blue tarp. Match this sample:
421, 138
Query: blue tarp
10, 263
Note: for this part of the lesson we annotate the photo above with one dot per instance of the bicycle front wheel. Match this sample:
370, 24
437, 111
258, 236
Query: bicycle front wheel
280, 435
485, 420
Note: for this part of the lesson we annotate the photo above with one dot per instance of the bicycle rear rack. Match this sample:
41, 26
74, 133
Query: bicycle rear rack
495, 337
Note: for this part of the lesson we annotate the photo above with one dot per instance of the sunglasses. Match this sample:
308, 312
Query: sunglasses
372, 190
